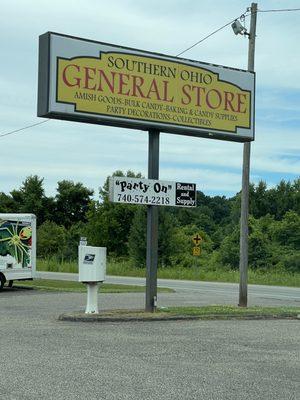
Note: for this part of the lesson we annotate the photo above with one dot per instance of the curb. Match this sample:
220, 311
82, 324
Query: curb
131, 317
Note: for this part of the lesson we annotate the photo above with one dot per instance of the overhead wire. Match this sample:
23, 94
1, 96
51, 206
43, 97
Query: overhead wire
22, 129
212, 33
243, 16
279, 10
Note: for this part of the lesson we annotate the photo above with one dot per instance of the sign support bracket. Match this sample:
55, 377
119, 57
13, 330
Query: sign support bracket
152, 225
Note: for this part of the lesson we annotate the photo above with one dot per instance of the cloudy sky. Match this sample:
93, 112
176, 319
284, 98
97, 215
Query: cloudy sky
86, 153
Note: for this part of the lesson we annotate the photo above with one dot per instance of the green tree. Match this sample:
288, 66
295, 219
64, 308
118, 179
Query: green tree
30, 198
174, 241
166, 229
296, 196
109, 223
201, 216
182, 247
104, 190
229, 249
51, 240
258, 202
259, 244
71, 201
7, 204
287, 231
137, 238
138, 234
220, 207
290, 260
73, 235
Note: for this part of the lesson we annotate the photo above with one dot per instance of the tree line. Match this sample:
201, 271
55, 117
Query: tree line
274, 225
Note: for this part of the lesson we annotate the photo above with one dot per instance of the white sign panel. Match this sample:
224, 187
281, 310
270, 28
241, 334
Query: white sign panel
151, 192
101, 83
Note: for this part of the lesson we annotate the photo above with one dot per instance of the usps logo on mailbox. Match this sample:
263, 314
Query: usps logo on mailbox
89, 259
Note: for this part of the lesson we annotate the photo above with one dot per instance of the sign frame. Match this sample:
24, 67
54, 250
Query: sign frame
46, 88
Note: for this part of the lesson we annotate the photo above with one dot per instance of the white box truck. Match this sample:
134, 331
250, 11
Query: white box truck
17, 247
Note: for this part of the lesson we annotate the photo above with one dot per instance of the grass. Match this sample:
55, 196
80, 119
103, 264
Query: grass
123, 268
180, 313
68, 286
232, 311
272, 278
53, 265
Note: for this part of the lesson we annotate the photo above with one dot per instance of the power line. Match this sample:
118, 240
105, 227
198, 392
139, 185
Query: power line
22, 129
212, 33
280, 10
241, 17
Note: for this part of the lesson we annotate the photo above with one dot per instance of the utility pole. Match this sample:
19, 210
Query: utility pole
244, 229
152, 226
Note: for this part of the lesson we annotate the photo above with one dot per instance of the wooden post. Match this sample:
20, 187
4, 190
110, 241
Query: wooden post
152, 226
244, 230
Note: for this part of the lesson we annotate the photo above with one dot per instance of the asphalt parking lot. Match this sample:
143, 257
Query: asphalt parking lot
43, 358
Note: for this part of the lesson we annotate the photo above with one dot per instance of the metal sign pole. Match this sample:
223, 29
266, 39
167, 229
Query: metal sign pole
152, 225
243, 289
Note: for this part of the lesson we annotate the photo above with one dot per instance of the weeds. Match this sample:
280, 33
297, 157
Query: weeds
123, 268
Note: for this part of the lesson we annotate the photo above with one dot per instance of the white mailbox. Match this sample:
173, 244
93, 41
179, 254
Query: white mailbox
92, 263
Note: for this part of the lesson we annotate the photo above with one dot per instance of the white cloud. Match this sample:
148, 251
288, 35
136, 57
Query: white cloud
65, 150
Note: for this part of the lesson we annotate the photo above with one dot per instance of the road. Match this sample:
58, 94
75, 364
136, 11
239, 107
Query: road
201, 293
43, 358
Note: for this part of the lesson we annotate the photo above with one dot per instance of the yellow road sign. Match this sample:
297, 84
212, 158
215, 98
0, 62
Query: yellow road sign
197, 239
196, 251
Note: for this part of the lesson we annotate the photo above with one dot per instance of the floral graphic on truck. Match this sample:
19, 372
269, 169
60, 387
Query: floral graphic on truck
15, 241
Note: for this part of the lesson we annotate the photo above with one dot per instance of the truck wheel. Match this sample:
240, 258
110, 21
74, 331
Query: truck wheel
10, 283
2, 281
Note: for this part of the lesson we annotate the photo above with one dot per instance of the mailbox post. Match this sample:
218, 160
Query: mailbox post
92, 269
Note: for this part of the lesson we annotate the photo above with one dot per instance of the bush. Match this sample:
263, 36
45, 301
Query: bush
51, 240
229, 253
291, 261
73, 235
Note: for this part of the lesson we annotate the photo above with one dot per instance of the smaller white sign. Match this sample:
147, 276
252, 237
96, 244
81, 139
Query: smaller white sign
83, 241
151, 192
